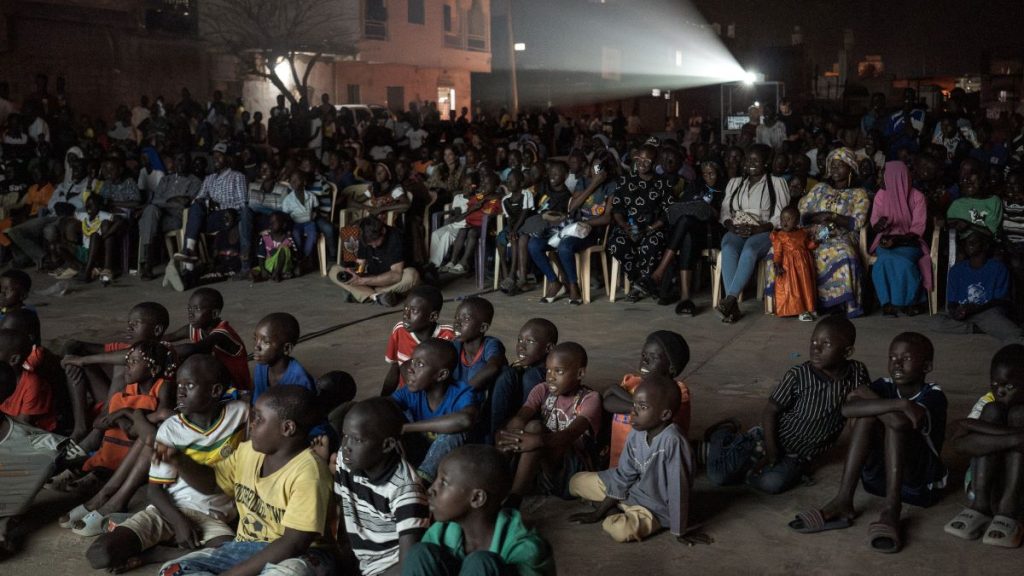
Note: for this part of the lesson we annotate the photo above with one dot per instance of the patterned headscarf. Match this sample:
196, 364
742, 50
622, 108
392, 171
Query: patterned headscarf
844, 155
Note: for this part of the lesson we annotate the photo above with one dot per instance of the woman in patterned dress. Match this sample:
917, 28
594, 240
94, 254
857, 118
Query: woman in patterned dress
837, 211
638, 210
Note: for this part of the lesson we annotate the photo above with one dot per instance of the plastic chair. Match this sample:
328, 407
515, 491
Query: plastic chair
933, 294
583, 267
499, 227
716, 281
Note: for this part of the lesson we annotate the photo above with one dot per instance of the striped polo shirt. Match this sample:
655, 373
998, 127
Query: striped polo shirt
810, 417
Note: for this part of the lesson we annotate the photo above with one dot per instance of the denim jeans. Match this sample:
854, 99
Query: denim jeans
509, 394
425, 454
731, 456
567, 249
740, 258
304, 236
314, 562
199, 220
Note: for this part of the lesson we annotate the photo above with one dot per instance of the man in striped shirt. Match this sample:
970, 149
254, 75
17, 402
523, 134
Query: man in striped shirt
384, 507
801, 421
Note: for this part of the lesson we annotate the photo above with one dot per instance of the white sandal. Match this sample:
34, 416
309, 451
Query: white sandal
76, 514
90, 525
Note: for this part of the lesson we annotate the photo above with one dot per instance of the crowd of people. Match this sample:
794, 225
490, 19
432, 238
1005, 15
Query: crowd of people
274, 471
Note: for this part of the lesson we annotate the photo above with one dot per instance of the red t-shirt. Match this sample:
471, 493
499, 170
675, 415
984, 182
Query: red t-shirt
621, 424
236, 363
33, 396
402, 342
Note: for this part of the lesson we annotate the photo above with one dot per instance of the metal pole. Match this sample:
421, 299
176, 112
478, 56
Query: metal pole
512, 64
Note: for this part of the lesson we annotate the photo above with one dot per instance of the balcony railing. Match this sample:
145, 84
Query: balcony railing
476, 43
375, 29
473, 42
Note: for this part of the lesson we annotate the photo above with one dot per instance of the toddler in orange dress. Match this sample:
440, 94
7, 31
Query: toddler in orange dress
795, 288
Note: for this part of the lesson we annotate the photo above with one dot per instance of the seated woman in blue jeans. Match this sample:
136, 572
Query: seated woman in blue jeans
590, 203
751, 209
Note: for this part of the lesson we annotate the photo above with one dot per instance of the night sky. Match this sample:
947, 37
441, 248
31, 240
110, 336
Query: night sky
913, 36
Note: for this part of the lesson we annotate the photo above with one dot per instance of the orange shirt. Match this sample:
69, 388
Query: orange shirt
621, 424
33, 396
38, 197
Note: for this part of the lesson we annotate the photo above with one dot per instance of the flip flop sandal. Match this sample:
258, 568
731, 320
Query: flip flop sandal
76, 514
813, 521
968, 524
686, 308
884, 538
1003, 532
90, 525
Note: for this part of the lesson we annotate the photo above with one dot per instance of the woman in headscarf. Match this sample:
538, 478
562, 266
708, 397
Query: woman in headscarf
899, 217
836, 211
153, 170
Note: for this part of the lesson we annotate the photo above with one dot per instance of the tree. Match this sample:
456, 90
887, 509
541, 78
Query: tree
266, 33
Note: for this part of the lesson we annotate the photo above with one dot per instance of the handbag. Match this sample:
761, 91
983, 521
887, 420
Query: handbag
698, 209
575, 230
534, 226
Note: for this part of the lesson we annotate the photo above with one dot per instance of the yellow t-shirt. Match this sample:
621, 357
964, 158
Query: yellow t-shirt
294, 497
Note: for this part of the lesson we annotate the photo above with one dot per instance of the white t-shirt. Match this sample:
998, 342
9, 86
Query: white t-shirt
206, 447
300, 212
416, 138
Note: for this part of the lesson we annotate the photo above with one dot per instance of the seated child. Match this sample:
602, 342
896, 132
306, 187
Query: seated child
1013, 232
977, 294
517, 206
275, 252
480, 356
440, 409
472, 533
650, 486
441, 240
46, 364
991, 436
300, 205
129, 421
795, 279
801, 421
100, 233
335, 392
205, 431
553, 433
275, 338
899, 426
30, 456
280, 488
383, 504
515, 382
977, 209
32, 402
419, 322
480, 191
15, 286
208, 333
665, 355
84, 361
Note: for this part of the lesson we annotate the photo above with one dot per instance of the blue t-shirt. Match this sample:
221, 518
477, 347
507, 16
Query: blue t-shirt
467, 368
978, 286
294, 375
29, 307
458, 396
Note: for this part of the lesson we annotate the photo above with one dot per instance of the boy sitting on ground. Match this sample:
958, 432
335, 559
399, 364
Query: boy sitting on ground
30, 456
665, 355
651, 485
419, 322
978, 295
209, 333
335, 392
280, 488
801, 421
480, 357
553, 433
32, 403
383, 504
993, 436
47, 365
274, 340
536, 339
440, 409
206, 432
15, 286
84, 363
899, 425
472, 534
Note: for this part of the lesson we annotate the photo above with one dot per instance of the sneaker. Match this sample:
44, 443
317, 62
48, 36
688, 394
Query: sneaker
445, 268
66, 274
387, 299
807, 317
457, 269
58, 271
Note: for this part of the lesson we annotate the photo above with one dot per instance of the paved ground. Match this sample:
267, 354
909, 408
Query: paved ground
731, 372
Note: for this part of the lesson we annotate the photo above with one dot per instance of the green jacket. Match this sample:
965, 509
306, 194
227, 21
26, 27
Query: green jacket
520, 548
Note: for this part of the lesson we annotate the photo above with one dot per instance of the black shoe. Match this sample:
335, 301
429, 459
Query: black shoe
686, 308
667, 300
387, 299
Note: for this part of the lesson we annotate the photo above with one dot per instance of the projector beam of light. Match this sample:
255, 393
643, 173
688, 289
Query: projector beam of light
633, 48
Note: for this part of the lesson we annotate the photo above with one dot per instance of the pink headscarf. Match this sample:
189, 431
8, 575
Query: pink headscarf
906, 210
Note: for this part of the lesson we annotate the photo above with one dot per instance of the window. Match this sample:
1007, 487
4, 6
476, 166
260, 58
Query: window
375, 20
476, 37
416, 12
352, 92
449, 23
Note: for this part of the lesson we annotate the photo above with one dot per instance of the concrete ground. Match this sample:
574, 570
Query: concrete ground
732, 370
